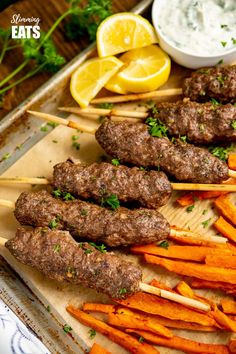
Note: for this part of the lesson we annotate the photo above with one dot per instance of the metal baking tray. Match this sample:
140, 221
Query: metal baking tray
18, 133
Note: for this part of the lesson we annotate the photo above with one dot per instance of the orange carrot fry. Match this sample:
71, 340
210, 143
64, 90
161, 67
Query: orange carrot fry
136, 322
157, 306
190, 198
97, 349
93, 307
232, 161
205, 284
186, 199
228, 306
224, 320
224, 261
201, 271
121, 338
226, 208
190, 253
160, 285
183, 344
225, 228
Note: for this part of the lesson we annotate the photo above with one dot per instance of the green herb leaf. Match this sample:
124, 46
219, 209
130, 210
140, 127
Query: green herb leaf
190, 208
101, 248
223, 26
115, 162
92, 333
221, 152
57, 248
221, 61
54, 222
233, 124
215, 102
204, 212
183, 138
111, 201
52, 124
223, 43
141, 339
233, 40
74, 137
76, 145
44, 128
156, 128
67, 328
123, 291
48, 308
105, 105
206, 223
5, 156
164, 244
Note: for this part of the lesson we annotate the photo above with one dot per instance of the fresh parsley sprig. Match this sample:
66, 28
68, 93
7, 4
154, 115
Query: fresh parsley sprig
156, 128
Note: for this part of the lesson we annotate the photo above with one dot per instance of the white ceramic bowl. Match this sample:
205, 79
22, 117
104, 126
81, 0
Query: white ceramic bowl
183, 57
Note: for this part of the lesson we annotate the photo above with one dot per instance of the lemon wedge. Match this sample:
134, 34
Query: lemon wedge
145, 69
90, 77
124, 31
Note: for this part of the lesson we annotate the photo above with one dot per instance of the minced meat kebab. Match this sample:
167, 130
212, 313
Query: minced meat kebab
132, 143
58, 256
92, 222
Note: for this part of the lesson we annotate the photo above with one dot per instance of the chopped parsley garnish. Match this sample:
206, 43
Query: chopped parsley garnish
164, 244
52, 124
223, 26
44, 128
74, 137
233, 40
57, 248
86, 250
183, 138
123, 291
221, 80
54, 222
141, 339
5, 156
233, 124
152, 107
67, 328
204, 212
57, 193
115, 162
111, 201
206, 223
156, 128
221, 61
84, 212
190, 208
215, 102
92, 333
203, 71
76, 145
55, 141
223, 43
48, 308
141, 168
105, 105
101, 248
220, 152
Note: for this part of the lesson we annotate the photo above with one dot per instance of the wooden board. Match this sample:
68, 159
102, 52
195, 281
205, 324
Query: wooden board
47, 13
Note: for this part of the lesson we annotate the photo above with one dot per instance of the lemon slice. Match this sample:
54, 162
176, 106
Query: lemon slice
124, 31
90, 77
113, 85
145, 69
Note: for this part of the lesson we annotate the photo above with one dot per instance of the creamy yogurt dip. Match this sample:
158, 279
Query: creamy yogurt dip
199, 27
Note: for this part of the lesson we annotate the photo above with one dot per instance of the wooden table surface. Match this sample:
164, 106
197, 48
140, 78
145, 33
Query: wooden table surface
48, 12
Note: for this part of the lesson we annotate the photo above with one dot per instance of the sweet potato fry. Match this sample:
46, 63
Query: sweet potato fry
185, 290
121, 338
190, 253
160, 285
232, 161
226, 208
205, 284
93, 307
196, 241
232, 344
136, 322
97, 349
223, 319
228, 306
183, 344
224, 261
225, 228
157, 306
201, 271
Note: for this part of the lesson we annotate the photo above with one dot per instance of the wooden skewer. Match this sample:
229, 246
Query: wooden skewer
105, 112
173, 231
175, 186
139, 96
72, 124
159, 292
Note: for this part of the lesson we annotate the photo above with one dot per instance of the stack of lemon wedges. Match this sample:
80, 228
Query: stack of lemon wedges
143, 66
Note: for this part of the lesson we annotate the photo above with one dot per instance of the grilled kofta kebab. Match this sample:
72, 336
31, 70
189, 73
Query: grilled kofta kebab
85, 220
150, 189
201, 123
218, 82
58, 256
133, 143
